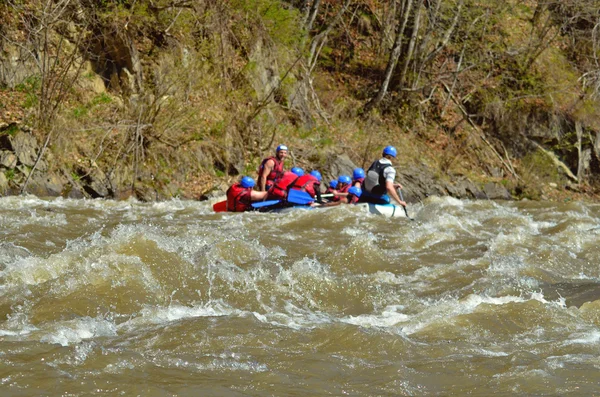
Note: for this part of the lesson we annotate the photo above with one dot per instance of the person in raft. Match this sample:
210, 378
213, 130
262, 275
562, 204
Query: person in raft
344, 183
332, 185
358, 177
271, 168
379, 185
309, 183
281, 185
352, 197
240, 195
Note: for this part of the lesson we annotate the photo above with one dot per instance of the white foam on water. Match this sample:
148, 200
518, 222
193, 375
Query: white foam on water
164, 315
446, 201
449, 308
294, 318
219, 363
490, 353
389, 317
75, 331
21, 332
591, 337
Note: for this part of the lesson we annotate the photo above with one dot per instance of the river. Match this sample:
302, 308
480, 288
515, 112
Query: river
103, 297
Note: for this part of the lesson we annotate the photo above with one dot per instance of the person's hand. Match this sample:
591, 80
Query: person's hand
397, 186
403, 203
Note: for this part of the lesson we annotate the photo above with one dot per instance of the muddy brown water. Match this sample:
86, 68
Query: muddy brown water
169, 299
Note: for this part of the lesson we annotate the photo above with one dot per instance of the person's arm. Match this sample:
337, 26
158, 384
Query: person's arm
391, 190
258, 196
262, 179
343, 200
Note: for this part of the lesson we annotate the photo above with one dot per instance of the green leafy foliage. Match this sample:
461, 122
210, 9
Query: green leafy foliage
277, 22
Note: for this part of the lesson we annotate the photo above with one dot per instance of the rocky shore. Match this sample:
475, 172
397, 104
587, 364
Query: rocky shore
19, 153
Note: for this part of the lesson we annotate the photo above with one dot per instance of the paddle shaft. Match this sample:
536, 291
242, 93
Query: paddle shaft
402, 198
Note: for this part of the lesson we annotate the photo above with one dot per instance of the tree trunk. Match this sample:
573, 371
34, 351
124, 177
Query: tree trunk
411, 45
393, 59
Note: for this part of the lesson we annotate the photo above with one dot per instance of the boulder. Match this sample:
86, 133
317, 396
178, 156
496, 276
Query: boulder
495, 191
25, 147
337, 165
16, 64
3, 184
96, 184
465, 188
8, 159
46, 185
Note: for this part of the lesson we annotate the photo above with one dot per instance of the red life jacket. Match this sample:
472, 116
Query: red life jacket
329, 190
281, 186
238, 198
342, 190
306, 183
275, 173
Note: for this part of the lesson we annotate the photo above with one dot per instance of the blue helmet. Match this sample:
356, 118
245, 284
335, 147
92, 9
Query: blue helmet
280, 148
358, 173
316, 174
333, 184
355, 191
247, 182
390, 150
298, 171
345, 179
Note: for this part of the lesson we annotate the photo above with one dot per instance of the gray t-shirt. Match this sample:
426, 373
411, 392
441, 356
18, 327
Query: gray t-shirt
389, 173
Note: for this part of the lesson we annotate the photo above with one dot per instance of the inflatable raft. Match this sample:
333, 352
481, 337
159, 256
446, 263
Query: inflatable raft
387, 210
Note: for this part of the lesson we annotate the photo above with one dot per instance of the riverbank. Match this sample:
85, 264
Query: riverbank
136, 99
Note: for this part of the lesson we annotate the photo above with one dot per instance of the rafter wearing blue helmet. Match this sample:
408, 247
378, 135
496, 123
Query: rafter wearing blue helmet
358, 177
354, 194
350, 197
332, 185
316, 174
379, 184
344, 183
298, 171
271, 168
240, 195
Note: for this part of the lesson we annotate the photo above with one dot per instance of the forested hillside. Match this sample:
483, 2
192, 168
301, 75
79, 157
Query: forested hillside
175, 98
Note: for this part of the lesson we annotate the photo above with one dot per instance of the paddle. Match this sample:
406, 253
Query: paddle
221, 206
402, 198
299, 197
267, 203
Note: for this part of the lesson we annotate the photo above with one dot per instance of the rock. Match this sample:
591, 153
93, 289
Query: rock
3, 184
25, 147
572, 187
145, 194
95, 184
46, 185
418, 182
8, 159
16, 64
495, 191
215, 192
337, 165
468, 189
90, 81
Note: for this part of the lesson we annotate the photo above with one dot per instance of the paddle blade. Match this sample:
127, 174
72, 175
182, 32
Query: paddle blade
299, 197
221, 206
267, 203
